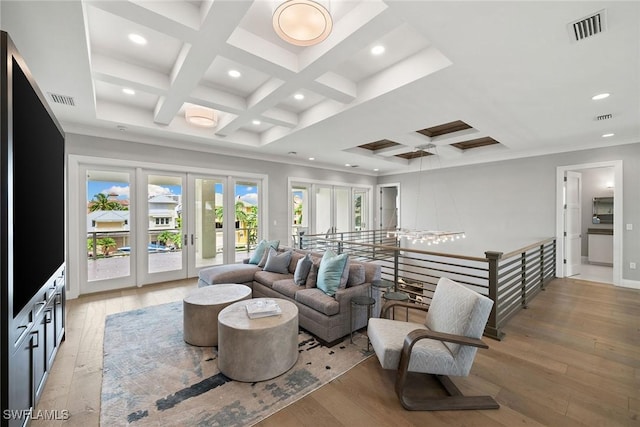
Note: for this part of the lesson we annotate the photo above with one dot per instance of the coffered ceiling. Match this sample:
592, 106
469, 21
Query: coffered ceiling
512, 73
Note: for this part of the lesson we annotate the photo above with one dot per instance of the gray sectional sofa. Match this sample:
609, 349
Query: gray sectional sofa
324, 316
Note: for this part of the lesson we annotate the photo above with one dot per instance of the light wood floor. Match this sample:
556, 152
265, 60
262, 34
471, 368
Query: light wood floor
571, 359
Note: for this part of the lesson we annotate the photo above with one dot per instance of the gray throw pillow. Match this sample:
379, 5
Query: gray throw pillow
312, 278
302, 270
356, 275
278, 263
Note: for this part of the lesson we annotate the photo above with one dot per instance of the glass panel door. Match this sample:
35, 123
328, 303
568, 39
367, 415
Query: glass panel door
164, 234
299, 212
106, 229
360, 209
205, 237
246, 211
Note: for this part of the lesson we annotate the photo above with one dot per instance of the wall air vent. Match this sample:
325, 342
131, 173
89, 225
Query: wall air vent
604, 117
588, 26
62, 99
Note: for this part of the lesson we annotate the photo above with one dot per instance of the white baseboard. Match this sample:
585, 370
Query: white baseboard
634, 284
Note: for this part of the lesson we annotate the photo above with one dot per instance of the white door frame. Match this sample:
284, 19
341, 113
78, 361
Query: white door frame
617, 218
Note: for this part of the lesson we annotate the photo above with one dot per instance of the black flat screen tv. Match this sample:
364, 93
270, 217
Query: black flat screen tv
36, 182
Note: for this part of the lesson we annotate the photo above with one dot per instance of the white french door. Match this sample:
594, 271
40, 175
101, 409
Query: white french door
319, 208
139, 225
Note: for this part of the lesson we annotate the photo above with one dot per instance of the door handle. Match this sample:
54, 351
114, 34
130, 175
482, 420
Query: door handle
192, 240
185, 240
37, 340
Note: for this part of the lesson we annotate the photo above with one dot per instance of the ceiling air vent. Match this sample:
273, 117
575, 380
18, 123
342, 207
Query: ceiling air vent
589, 26
62, 99
604, 117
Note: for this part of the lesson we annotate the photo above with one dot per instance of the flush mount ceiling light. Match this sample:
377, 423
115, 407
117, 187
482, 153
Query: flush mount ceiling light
600, 96
201, 116
302, 22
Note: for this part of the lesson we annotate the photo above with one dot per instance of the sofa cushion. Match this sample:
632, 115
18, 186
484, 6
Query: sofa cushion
372, 272
278, 262
267, 277
331, 272
260, 248
318, 300
302, 270
286, 287
228, 273
356, 274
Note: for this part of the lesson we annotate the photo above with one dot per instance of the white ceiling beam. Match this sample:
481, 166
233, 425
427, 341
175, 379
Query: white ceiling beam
216, 27
142, 13
335, 86
126, 74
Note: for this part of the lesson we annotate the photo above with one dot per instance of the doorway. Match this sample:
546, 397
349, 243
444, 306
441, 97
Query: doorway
575, 223
389, 206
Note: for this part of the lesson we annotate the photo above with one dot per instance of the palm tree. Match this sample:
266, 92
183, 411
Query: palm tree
106, 243
169, 237
101, 202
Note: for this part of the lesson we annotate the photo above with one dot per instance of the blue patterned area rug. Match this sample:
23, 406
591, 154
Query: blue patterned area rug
152, 377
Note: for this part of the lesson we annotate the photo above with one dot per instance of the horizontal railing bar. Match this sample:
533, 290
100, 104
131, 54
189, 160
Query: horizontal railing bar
527, 248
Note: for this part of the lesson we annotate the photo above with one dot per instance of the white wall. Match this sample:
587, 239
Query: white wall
503, 204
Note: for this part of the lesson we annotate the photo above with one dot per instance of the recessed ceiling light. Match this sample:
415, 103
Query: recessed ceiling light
299, 96
256, 122
600, 96
234, 73
377, 50
376, 170
137, 39
347, 164
128, 91
312, 158
607, 135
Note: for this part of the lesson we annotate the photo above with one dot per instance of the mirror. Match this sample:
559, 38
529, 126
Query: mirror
602, 210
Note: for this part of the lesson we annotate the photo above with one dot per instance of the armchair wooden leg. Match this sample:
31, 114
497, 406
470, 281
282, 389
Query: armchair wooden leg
455, 401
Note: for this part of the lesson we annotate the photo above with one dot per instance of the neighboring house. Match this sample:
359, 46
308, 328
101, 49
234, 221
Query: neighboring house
162, 212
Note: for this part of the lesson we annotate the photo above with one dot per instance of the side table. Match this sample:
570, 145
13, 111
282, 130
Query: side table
201, 308
360, 300
382, 286
397, 296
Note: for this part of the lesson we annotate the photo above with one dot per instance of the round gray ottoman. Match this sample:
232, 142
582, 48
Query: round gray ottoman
201, 308
252, 350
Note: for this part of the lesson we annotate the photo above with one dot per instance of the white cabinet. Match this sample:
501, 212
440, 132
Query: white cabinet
601, 248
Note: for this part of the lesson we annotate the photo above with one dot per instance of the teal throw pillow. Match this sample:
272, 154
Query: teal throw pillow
278, 263
331, 271
261, 248
302, 270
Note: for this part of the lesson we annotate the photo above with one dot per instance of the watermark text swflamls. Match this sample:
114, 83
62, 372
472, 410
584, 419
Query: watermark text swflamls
40, 414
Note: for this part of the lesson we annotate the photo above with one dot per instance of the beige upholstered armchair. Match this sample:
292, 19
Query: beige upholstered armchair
446, 344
